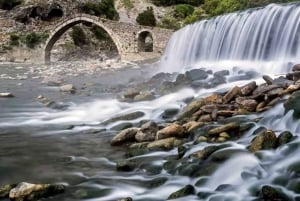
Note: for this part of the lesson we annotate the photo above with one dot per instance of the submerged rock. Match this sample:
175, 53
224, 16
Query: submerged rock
144, 96
284, 138
124, 136
26, 191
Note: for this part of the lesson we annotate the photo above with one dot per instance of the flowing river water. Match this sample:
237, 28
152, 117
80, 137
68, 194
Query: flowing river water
70, 144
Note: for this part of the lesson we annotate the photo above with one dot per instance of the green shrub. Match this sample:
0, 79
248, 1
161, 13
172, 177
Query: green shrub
183, 10
105, 8
219, 7
128, 4
146, 18
197, 15
174, 2
14, 40
169, 23
99, 33
32, 39
78, 36
9, 4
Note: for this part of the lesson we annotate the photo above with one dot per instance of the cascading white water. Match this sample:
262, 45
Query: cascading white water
268, 37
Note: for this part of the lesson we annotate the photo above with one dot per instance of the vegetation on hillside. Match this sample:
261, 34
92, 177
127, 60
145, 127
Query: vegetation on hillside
104, 8
29, 39
147, 17
9, 4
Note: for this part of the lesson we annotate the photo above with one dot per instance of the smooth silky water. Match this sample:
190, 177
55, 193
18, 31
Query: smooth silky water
72, 146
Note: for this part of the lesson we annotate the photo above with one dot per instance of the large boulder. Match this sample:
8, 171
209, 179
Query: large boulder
293, 103
26, 191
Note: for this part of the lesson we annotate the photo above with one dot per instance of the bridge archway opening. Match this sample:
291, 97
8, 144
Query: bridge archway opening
145, 42
99, 31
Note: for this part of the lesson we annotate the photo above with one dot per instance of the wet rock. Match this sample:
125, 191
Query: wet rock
169, 113
191, 108
126, 199
202, 139
282, 82
4, 190
225, 154
131, 93
268, 79
291, 88
248, 88
284, 138
185, 191
221, 73
296, 67
274, 93
45, 101
125, 166
263, 88
144, 96
231, 94
27, 191
224, 128
164, 144
296, 76
127, 135
248, 104
126, 117
54, 80
6, 95
266, 140
147, 132
68, 88
293, 103
212, 99
192, 125
207, 151
173, 130
205, 118
226, 113
270, 193
196, 74
122, 126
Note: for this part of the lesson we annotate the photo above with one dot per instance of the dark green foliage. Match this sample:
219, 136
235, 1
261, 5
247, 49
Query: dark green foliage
14, 40
174, 2
99, 33
219, 7
32, 39
147, 17
9, 4
183, 10
78, 36
105, 9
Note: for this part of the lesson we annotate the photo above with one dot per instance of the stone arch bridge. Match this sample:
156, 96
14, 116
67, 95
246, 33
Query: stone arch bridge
128, 38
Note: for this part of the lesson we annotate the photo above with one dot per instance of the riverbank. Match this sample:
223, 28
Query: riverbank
66, 137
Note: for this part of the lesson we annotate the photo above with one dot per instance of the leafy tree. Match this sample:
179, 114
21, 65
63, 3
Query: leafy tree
174, 2
183, 10
147, 17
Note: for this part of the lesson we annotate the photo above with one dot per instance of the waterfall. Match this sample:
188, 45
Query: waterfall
266, 39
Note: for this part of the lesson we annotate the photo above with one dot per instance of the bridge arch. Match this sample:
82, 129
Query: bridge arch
67, 24
145, 39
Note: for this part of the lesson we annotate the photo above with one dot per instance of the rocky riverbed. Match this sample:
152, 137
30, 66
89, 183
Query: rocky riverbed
97, 131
